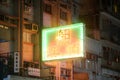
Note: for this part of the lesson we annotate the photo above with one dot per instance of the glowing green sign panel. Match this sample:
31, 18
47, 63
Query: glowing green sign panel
63, 42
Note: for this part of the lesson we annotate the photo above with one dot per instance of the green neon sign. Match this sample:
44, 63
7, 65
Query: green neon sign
63, 42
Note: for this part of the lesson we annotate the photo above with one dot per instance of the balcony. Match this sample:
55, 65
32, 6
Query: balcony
111, 65
92, 46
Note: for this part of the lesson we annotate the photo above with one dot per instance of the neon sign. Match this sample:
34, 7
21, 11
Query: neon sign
63, 42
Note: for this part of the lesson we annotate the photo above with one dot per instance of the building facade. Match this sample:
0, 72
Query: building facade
21, 24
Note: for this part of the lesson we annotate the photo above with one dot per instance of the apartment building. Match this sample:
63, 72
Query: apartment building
21, 24
109, 27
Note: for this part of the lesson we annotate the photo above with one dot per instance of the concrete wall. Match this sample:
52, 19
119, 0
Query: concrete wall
92, 46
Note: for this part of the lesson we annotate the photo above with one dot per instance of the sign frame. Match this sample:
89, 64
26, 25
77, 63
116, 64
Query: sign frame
77, 30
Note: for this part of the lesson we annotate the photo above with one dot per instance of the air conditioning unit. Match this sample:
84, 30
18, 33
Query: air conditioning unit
34, 27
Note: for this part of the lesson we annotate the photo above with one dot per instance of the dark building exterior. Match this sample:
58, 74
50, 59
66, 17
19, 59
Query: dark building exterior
21, 24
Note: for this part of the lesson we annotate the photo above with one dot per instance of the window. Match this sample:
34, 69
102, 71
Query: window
27, 8
91, 56
67, 1
118, 5
75, 9
52, 0
63, 15
48, 8
63, 6
28, 26
105, 53
3, 1
28, 2
117, 57
104, 3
